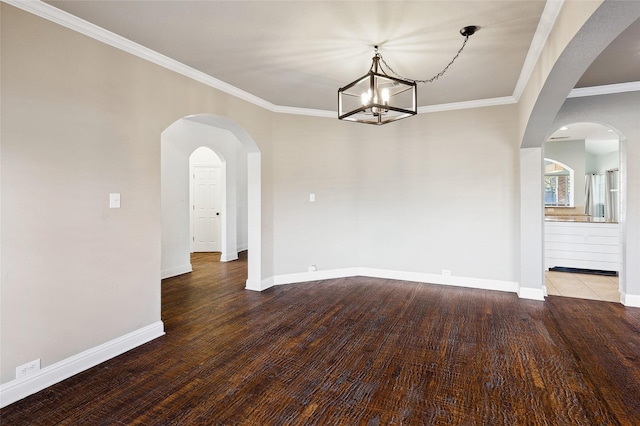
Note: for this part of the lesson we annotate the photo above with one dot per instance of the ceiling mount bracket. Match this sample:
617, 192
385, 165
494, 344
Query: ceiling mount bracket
469, 31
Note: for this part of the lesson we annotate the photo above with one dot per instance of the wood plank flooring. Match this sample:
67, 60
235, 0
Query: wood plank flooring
358, 351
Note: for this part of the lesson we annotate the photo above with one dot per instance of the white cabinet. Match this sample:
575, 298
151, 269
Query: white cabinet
584, 245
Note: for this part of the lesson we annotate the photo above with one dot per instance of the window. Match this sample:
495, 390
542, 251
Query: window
558, 184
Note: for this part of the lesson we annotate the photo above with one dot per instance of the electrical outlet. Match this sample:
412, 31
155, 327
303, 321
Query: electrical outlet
446, 272
312, 268
28, 368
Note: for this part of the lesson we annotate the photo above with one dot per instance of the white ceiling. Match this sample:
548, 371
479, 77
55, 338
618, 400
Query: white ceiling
619, 63
298, 53
598, 139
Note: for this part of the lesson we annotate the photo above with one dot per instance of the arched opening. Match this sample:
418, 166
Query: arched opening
241, 199
549, 109
582, 234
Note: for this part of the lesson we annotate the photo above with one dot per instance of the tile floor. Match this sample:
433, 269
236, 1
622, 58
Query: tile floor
583, 286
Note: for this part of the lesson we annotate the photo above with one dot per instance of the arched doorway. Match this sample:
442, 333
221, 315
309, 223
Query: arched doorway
242, 157
548, 109
583, 240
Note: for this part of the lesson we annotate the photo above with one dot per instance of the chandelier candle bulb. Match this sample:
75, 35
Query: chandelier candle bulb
365, 98
385, 96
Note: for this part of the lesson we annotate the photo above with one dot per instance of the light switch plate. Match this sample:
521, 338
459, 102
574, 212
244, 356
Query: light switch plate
114, 201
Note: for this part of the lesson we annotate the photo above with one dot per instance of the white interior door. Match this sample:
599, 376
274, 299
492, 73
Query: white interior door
206, 208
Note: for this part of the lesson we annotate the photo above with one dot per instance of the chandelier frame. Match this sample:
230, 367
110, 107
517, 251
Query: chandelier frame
376, 111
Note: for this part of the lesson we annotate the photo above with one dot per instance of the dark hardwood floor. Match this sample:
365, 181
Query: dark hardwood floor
358, 351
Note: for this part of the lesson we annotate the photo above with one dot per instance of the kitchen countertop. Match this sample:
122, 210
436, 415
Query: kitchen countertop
576, 218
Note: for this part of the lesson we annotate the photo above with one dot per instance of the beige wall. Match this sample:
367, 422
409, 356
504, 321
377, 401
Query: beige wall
434, 192
315, 156
535, 112
80, 120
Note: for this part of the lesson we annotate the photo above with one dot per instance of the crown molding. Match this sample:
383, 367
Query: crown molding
545, 25
74, 23
547, 20
609, 89
53, 14
479, 103
306, 111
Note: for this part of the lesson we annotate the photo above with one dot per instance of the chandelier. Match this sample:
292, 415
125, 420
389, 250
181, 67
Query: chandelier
380, 98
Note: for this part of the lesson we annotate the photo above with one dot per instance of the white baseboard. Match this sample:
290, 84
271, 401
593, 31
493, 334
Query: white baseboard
315, 276
242, 247
421, 277
630, 300
20, 388
531, 293
228, 257
173, 272
259, 285
479, 283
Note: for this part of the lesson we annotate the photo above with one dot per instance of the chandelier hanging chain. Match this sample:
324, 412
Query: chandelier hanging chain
435, 77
